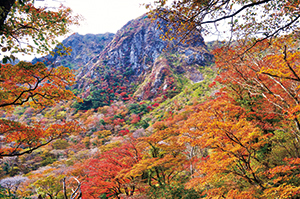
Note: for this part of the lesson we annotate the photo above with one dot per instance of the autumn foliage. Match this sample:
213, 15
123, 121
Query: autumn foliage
250, 130
106, 174
35, 84
32, 85
239, 141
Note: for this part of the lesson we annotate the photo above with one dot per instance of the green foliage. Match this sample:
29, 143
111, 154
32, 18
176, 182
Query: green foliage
5, 194
177, 191
47, 158
60, 144
143, 123
138, 108
47, 161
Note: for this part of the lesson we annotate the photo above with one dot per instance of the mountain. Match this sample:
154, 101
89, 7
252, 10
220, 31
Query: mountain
84, 49
135, 61
133, 84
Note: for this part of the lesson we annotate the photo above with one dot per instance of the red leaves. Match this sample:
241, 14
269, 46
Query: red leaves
149, 108
135, 119
106, 173
155, 104
18, 139
118, 121
124, 132
212, 84
123, 94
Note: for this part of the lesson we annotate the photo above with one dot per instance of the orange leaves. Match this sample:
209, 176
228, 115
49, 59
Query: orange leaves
218, 120
18, 139
265, 81
35, 84
282, 191
285, 178
232, 143
165, 161
251, 129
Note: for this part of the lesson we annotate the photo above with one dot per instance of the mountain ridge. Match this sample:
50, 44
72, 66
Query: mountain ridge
84, 49
130, 58
136, 59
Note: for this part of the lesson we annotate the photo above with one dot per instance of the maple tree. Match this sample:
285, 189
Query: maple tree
34, 85
27, 29
105, 174
165, 164
233, 144
265, 82
241, 19
19, 139
251, 129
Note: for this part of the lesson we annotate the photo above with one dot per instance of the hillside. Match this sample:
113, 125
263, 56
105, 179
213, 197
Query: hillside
135, 59
141, 117
128, 83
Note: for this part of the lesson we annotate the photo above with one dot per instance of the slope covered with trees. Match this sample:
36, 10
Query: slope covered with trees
32, 84
177, 123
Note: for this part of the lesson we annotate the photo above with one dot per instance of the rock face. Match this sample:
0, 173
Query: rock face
136, 55
84, 49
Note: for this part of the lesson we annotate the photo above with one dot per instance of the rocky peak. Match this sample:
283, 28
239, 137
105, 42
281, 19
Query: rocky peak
134, 50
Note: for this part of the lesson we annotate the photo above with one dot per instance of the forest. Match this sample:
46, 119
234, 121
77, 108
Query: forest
227, 126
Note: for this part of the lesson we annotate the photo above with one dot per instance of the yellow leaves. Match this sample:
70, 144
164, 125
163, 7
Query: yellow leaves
222, 127
280, 65
104, 133
110, 146
142, 166
282, 191
237, 194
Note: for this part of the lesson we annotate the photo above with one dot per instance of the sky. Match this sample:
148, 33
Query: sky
101, 16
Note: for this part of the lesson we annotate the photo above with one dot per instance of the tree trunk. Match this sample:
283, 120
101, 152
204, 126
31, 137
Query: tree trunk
5, 6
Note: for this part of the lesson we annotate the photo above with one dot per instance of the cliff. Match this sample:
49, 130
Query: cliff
138, 59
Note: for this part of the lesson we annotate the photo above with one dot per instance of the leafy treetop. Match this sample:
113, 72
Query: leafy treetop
246, 19
27, 29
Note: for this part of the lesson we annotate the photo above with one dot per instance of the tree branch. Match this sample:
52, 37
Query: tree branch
237, 12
